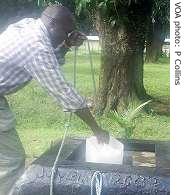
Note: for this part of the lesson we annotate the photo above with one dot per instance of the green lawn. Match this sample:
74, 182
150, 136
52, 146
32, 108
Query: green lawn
40, 120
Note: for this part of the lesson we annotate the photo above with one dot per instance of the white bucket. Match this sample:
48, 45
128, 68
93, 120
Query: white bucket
111, 153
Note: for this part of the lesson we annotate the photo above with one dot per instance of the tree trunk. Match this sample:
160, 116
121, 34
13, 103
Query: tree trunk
121, 74
114, 80
154, 42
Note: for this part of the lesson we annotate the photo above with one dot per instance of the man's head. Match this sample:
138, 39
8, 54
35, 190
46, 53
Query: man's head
59, 22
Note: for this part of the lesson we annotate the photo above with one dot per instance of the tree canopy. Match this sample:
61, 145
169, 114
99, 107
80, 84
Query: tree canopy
114, 11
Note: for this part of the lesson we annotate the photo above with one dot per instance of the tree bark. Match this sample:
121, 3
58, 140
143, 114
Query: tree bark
113, 82
121, 73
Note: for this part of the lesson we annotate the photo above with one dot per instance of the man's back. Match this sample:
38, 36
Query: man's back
18, 44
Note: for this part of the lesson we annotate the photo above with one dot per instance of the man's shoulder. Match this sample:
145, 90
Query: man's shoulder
23, 23
28, 34
31, 30
24, 27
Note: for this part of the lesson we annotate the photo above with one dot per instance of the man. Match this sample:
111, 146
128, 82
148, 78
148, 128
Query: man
28, 51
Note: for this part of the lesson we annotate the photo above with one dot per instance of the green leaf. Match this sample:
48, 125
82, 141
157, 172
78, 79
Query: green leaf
134, 113
126, 119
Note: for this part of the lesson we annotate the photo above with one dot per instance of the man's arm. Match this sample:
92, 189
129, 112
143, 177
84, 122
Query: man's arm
86, 116
45, 69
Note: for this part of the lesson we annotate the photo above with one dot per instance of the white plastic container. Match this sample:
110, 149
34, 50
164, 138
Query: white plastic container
111, 153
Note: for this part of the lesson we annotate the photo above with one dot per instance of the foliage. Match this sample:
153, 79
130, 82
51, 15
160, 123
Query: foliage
126, 120
161, 14
161, 10
115, 12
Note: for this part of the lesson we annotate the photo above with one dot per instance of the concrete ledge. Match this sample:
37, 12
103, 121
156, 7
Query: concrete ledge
73, 175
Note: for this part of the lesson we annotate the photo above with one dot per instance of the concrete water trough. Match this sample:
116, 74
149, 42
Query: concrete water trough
145, 171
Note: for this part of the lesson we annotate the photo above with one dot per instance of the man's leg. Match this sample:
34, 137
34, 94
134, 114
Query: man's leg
12, 155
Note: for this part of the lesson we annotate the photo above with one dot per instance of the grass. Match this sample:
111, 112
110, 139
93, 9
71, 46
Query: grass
40, 120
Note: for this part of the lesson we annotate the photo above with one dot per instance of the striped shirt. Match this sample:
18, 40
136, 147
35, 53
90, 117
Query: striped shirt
26, 53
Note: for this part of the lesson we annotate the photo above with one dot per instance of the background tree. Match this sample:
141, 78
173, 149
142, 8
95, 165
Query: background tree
122, 26
158, 29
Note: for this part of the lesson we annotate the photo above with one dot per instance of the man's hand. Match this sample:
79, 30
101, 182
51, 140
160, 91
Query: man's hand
102, 135
86, 116
75, 38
